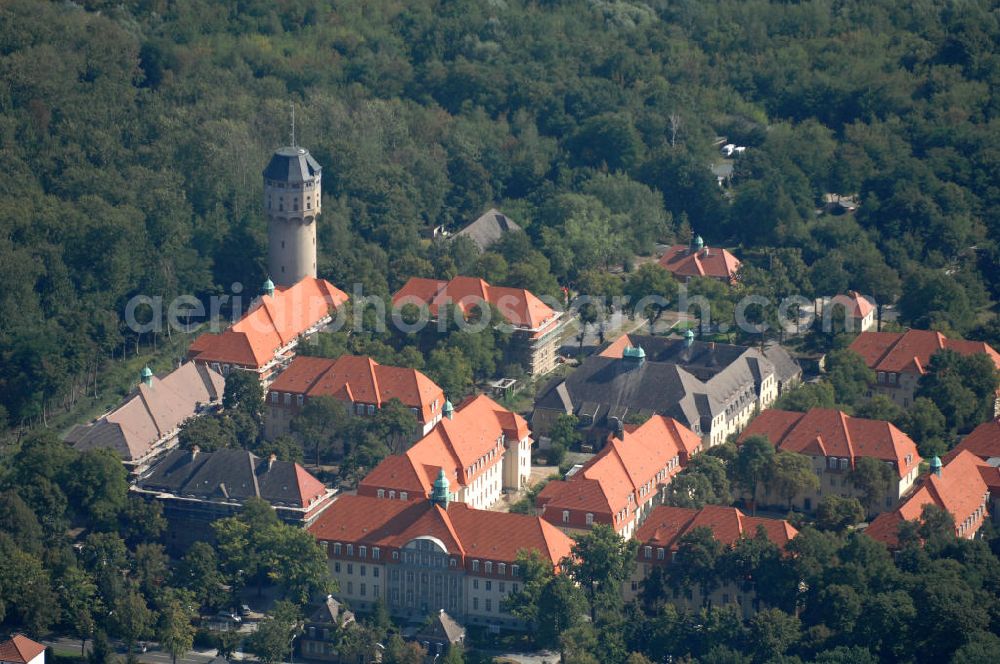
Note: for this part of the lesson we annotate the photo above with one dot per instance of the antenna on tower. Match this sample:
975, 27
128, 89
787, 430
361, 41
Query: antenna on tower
293, 123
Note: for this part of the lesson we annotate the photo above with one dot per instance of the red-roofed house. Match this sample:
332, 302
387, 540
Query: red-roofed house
263, 340
361, 383
19, 649
858, 311
961, 487
621, 483
697, 260
984, 442
660, 537
836, 441
901, 358
483, 448
420, 557
534, 323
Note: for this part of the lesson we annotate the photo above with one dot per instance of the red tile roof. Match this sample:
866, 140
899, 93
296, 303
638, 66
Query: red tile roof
518, 306
960, 490
911, 351
832, 433
361, 379
453, 444
462, 530
272, 323
855, 304
19, 649
618, 471
665, 526
984, 441
682, 261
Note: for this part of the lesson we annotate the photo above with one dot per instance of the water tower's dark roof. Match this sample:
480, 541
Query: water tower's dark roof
292, 164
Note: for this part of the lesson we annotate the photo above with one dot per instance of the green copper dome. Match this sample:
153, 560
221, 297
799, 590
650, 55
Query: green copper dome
936, 465
634, 352
269, 287
440, 494
449, 409
146, 375
698, 243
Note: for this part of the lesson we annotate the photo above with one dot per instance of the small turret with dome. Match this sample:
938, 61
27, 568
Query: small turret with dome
448, 410
688, 338
269, 287
936, 465
147, 376
440, 495
697, 244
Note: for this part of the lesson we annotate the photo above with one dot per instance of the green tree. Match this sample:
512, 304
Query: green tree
198, 572
601, 561
174, 630
97, 487
927, 426
650, 291
272, 641
79, 601
849, 375
772, 633
697, 562
702, 482
563, 436
837, 513
752, 465
244, 392
208, 432
791, 474
321, 424
132, 619
806, 397
141, 521
874, 479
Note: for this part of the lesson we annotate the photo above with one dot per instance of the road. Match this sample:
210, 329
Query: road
152, 656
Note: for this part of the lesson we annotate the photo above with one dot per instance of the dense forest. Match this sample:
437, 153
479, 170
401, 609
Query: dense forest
134, 133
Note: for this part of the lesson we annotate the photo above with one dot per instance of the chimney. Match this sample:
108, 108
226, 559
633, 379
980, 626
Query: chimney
271, 459
194, 452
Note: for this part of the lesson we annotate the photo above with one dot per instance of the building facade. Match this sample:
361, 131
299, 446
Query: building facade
963, 488
421, 557
483, 449
713, 389
623, 482
198, 488
361, 383
660, 538
900, 359
146, 426
835, 442
534, 325
263, 341
685, 262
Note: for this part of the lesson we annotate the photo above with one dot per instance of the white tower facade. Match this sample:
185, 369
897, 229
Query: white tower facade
292, 201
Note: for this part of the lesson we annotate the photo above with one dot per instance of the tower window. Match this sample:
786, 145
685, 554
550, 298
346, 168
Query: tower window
309, 204
295, 204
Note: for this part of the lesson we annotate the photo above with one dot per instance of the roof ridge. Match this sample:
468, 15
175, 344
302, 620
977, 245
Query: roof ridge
253, 474
149, 410
371, 371
847, 435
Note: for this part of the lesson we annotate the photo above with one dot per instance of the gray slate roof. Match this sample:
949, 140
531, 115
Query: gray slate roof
225, 474
692, 384
442, 628
489, 228
331, 612
292, 164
